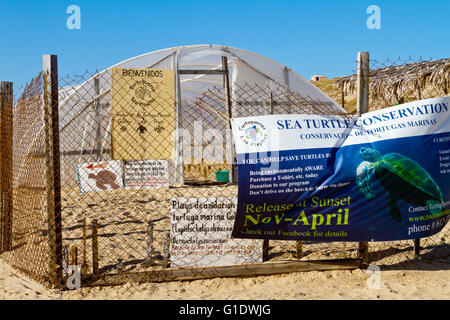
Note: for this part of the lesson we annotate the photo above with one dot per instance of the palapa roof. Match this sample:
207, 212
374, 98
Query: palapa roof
406, 82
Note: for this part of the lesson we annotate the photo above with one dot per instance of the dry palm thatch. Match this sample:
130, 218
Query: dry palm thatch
402, 83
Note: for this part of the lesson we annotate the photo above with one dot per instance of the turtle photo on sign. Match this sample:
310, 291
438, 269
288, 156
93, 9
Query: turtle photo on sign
402, 177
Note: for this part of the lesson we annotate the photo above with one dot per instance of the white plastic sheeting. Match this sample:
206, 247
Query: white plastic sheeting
84, 109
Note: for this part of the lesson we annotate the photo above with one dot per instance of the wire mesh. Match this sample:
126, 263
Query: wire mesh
117, 207
29, 251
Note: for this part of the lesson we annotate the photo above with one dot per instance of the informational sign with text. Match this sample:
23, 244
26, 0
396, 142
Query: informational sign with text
142, 113
201, 234
146, 174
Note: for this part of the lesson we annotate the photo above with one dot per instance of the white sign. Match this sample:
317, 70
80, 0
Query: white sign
201, 234
99, 176
287, 132
147, 174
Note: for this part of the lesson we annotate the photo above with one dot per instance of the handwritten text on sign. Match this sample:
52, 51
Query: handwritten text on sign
200, 234
146, 174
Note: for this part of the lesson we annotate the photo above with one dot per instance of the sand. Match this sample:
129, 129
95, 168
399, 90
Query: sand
123, 235
414, 280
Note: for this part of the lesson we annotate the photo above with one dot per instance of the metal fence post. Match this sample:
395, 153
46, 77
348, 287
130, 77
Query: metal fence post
229, 103
50, 73
179, 152
361, 108
98, 120
6, 188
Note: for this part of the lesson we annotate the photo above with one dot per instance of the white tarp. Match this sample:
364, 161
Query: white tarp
85, 110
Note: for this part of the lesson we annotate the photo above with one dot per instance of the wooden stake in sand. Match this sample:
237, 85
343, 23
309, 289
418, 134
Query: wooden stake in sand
166, 250
149, 260
53, 166
66, 260
74, 253
362, 107
265, 249
299, 250
416, 248
94, 247
84, 266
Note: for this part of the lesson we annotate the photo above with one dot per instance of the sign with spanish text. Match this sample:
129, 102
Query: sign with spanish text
379, 177
201, 234
142, 113
146, 174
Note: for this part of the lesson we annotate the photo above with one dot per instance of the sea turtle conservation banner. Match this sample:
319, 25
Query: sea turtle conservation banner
382, 176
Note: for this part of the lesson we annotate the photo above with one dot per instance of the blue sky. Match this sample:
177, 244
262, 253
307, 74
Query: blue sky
321, 36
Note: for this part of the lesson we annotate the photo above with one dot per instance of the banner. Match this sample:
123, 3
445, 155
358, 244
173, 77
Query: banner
142, 113
383, 176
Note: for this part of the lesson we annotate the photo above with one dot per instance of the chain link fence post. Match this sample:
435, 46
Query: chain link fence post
361, 108
51, 111
6, 194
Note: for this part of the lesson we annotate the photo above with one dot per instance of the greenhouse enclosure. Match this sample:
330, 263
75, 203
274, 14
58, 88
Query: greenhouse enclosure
85, 108
68, 178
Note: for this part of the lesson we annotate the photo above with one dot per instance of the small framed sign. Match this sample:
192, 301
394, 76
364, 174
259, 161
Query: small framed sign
146, 174
99, 176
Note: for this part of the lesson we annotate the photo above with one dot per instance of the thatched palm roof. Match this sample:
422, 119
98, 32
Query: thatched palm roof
402, 83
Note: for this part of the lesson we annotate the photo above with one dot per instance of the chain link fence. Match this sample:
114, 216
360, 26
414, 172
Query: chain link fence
392, 82
116, 211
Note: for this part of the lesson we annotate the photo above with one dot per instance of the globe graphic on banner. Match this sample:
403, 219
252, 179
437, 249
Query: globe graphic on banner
253, 133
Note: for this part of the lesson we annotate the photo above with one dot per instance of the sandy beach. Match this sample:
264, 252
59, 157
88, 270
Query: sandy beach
415, 280
401, 276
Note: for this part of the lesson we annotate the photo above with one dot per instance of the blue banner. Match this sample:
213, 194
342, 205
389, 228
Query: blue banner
383, 176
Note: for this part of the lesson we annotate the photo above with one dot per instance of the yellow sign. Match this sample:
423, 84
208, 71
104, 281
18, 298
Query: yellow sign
142, 114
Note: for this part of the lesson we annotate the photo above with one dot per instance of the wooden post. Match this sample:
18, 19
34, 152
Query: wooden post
6, 173
416, 248
74, 254
66, 261
84, 266
363, 83
50, 71
94, 247
363, 254
230, 113
149, 260
265, 249
361, 108
299, 250
166, 252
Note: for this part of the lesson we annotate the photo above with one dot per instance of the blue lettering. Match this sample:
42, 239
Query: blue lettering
280, 125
